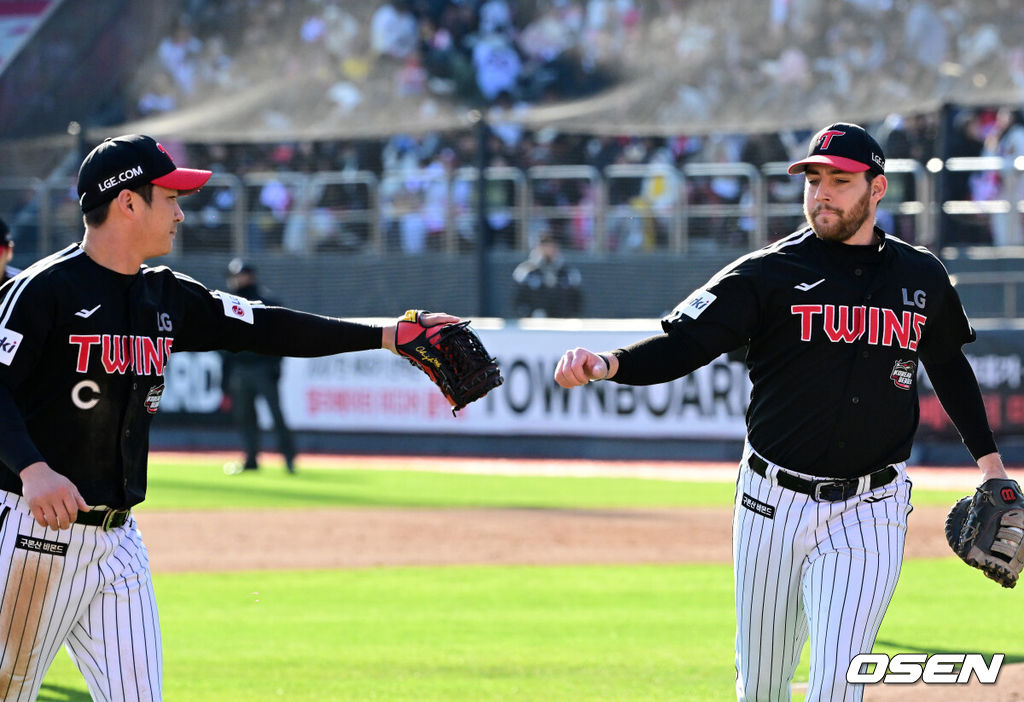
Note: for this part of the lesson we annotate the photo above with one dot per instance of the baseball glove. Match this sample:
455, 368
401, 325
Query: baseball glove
451, 355
987, 530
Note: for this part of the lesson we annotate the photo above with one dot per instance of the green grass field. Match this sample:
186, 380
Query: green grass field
634, 633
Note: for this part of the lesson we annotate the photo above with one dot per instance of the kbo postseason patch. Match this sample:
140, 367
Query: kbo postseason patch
903, 374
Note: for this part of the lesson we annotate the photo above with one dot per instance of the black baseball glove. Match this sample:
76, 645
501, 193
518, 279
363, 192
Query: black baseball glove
987, 530
451, 355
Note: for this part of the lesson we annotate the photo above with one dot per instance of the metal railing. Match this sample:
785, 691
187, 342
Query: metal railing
624, 208
1007, 283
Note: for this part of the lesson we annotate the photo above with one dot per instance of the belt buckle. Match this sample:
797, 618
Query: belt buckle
109, 517
824, 484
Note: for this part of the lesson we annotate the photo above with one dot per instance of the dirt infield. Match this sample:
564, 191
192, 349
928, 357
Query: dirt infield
364, 537
354, 538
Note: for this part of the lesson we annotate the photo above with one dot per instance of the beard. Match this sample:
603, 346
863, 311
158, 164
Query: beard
846, 224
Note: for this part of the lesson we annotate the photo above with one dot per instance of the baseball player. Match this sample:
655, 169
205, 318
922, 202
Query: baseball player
85, 335
835, 319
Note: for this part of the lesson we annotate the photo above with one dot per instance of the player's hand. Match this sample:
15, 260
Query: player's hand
427, 319
53, 499
579, 367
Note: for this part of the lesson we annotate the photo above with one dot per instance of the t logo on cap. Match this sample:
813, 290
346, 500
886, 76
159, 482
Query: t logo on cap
826, 137
845, 146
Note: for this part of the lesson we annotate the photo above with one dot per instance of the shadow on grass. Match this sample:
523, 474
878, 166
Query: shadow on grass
59, 693
911, 648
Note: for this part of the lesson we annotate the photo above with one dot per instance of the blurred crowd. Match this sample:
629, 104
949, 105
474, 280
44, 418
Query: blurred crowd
514, 52
500, 56
420, 191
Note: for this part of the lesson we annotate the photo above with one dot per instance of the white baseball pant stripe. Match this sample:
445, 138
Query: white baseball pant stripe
802, 567
87, 589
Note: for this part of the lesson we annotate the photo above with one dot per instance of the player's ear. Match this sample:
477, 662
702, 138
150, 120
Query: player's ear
126, 201
878, 187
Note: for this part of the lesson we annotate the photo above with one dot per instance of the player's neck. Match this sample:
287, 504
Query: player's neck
865, 236
104, 249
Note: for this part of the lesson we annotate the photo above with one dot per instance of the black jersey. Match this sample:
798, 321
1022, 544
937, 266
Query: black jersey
83, 350
834, 335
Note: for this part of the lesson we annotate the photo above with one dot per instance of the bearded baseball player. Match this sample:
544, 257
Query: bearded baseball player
85, 336
835, 319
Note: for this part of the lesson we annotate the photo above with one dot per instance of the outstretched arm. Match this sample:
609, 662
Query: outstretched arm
656, 359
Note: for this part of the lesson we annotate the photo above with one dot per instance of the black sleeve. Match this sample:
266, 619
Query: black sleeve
215, 320
957, 389
947, 330
660, 359
280, 331
17, 449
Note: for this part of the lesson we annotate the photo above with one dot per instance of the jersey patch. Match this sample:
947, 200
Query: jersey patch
9, 342
54, 548
235, 307
696, 303
153, 398
758, 507
903, 373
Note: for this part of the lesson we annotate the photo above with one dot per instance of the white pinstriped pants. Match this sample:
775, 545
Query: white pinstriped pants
824, 568
85, 588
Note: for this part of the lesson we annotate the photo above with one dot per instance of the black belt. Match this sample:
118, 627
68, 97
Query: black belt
105, 518
828, 490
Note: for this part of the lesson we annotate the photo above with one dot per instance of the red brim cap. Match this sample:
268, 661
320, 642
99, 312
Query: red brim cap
843, 164
183, 179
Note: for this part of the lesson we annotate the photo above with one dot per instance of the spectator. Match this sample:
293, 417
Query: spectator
1006, 140
497, 65
178, 55
161, 95
545, 285
393, 31
250, 375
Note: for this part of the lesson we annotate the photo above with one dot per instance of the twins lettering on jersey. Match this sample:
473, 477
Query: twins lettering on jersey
142, 355
843, 323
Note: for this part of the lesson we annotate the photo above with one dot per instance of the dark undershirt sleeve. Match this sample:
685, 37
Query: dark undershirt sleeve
286, 332
280, 331
17, 449
660, 359
957, 389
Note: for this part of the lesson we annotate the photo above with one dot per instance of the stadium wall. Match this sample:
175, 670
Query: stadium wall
378, 403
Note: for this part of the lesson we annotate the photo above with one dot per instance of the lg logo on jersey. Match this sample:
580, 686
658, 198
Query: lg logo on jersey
918, 300
937, 669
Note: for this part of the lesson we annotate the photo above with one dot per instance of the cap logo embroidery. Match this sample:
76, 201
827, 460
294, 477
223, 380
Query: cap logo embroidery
122, 177
826, 138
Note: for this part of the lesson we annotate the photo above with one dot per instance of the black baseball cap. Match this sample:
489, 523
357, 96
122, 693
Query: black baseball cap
5, 234
237, 267
128, 162
845, 146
